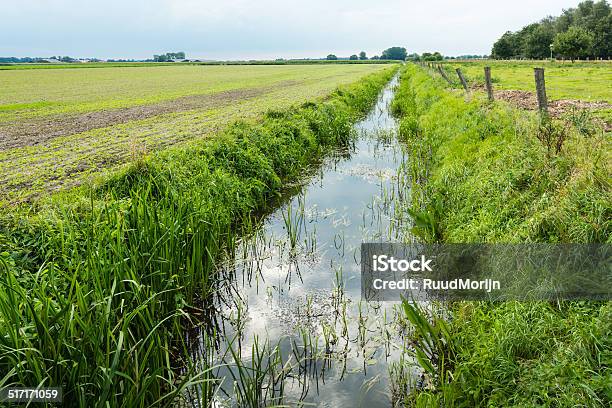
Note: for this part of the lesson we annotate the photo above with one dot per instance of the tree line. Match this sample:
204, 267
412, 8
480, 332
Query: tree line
35, 60
393, 53
169, 56
400, 54
581, 32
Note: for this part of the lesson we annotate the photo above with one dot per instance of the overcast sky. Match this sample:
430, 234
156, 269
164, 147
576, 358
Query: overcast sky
258, 29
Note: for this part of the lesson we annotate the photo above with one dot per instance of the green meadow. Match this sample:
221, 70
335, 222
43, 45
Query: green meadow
587, 81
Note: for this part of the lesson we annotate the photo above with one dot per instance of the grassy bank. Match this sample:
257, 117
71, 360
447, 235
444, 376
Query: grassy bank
481, 173
98, 285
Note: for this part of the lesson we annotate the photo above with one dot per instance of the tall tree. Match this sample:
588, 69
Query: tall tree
436, 56
362, 55
575, 43
506, 46
602, 30
537, 43
394, 53
533, 40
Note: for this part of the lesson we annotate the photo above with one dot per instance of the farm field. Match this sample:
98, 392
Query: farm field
58, 126
567, 88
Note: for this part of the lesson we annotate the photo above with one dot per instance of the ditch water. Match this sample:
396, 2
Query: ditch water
294, 329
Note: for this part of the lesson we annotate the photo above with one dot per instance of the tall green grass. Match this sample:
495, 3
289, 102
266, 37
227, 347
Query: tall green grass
481, 174
99, 286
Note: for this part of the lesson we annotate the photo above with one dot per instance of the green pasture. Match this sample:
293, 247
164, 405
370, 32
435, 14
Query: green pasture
588, 81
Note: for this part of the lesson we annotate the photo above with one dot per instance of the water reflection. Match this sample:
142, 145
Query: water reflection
292, 305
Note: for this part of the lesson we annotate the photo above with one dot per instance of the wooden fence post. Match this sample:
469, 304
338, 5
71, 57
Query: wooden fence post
489, 85
443, 73
462, 79
541, 91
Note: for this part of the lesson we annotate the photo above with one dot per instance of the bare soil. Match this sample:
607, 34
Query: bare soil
40, 130
527, 100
